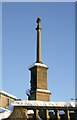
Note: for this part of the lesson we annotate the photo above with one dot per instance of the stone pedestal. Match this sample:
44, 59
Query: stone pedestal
39, 83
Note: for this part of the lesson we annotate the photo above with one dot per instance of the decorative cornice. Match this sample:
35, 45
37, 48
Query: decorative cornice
38, 64
43, 91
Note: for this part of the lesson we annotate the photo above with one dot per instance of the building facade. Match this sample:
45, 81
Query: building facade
6, 99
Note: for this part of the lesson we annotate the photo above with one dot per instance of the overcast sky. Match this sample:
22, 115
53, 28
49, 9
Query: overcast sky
19, 39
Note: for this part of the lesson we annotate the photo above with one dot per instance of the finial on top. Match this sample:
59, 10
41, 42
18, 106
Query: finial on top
38, 20
38, 26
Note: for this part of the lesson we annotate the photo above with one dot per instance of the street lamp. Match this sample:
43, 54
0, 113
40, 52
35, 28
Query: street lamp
73, 98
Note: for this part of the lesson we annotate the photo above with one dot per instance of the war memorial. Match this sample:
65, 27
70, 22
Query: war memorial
38, 106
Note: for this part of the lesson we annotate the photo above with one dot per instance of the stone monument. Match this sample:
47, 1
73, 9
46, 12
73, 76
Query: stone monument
39, 73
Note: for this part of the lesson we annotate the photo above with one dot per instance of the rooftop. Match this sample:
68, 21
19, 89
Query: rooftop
7, 94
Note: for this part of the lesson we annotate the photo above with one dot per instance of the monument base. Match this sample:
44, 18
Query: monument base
41, 95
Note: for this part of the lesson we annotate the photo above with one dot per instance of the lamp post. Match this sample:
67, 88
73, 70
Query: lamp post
74, 99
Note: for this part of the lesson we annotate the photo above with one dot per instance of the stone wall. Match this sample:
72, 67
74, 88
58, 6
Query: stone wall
19, 112
5, 101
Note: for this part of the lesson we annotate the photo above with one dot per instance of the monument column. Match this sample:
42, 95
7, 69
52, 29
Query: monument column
38, 41
39, 73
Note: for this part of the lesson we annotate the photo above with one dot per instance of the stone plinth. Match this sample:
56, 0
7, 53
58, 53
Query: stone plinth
39, 83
